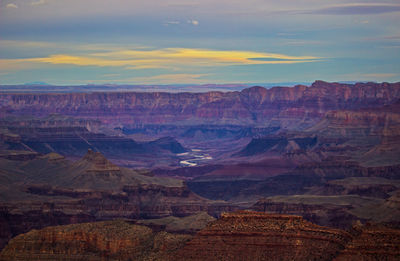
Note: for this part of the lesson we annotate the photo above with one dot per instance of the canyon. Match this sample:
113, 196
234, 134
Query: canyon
327, 153
51, 190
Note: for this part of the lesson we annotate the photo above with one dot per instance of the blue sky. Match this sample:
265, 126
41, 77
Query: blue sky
198, 41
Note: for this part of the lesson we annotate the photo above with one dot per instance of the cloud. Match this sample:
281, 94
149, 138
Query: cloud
178, 59
39, 2
369, 76
300, 42
12, 6
169, 79
193, 22
392, 37
167, 23
111, 75
357, 9
286, 34
26, 44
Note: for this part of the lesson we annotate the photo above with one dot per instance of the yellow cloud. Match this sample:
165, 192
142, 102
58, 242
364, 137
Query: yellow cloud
12, 6
167, 58
184, 78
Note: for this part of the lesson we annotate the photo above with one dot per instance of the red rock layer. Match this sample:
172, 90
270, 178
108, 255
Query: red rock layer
235, 236
337, 216
100, 163
115, 240
260, 236
299, 104
375, 243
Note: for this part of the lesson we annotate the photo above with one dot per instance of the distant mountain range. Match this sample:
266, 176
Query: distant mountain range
46, 87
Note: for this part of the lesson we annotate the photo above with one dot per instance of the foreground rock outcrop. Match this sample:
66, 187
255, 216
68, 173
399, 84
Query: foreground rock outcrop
258, 236
242, 235
375, 242
110, 240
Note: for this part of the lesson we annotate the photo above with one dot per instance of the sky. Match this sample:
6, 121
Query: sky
74, 42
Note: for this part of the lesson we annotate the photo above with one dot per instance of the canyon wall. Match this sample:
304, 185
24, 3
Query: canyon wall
112, 240
299, 105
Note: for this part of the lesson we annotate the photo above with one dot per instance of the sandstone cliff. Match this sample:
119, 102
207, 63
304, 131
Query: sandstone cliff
241, 235
298, 106
375, 242
112, 240
259, 236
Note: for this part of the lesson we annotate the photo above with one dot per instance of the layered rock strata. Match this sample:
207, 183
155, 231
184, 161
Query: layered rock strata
242, 235
259, 236
297, 106
51, 190
375, 242
112, 240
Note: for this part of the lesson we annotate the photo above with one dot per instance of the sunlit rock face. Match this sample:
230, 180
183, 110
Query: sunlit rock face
258, 236
241, 235
374, 242
112, 240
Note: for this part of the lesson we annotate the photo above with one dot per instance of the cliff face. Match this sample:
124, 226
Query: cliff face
375, 242
370, 136
241, 235
331, 215
294, 106
259, 236
337, 169
73, 140
113, 240
339, 211
50, 190
362, 123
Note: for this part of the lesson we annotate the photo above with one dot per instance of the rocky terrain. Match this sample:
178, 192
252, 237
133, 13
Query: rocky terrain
373, 242
258, 236
74, 141
295, 106
361, 144
110, 240
335, 210
243, 235
187, 225
328, 152
50, 190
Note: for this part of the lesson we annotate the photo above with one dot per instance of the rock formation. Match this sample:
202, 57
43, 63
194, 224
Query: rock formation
339, 211
375, 242
242, 235
75, 141
100, 163
299, 106
50, 190
110, 240
258, 236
